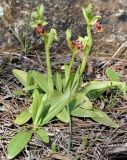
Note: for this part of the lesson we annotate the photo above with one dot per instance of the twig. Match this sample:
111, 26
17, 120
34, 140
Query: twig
119, 50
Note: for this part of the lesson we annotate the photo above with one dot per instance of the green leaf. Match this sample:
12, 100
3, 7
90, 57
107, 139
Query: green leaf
96, 115
41, 80
21, 76
30, 79
58, 82
35, 104
78, 103
41, 110
83, 101
63, 116
57, 104
81, 112
18, 142
23, 117
102, 118
112, 75
42, 135
96, 86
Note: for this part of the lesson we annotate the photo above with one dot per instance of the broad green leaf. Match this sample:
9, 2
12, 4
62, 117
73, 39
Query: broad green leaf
63, 116
82, 101
81, 112
41, 80
112, 75
41, 110
57, 104
21, 76
96, 86
23, 117
42, 135
102, 118
54, 94
96, 115
18, 142
30, 79
58, 82
35, 104
79, 102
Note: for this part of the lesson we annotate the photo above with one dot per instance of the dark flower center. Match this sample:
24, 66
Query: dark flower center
77, 44
39, 30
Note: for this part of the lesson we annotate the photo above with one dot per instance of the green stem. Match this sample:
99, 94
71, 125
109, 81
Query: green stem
50, 80
83, 65
84, 61
90, 38
72, 60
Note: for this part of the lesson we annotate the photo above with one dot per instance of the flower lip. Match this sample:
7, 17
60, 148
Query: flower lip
98, 27
77, 44
39, 30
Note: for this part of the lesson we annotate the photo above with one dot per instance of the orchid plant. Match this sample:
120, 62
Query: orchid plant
61, 95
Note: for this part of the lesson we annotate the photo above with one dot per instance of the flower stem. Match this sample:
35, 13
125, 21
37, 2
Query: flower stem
72, 60
83, 65
50, 80
84, 61
90, 38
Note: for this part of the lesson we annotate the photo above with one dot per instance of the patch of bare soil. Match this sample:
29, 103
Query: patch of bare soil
90, 141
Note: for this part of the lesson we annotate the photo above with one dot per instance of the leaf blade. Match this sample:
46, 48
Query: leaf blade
63, 116
18, 142
21, 76
23, 117
42, 135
